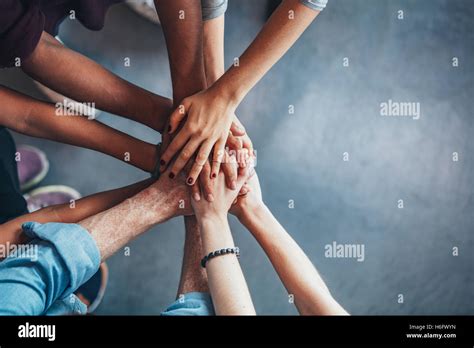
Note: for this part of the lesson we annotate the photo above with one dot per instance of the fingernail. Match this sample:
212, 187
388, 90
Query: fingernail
190, 181
171, 175
197, 197
162, 162
169, 129
214, 175
210, 197
233, 185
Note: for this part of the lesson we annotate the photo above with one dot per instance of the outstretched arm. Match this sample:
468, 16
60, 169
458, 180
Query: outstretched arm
38, 119
62, 256
79, 78
295, 269
208, 115
67, 213
181, 21
115, 227
229, 291
280, 32
213, 39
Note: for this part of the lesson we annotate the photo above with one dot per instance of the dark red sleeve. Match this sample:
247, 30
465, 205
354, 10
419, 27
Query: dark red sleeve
21, 26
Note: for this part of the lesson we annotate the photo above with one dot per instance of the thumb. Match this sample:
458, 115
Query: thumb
243, 176
237, 130
176, 117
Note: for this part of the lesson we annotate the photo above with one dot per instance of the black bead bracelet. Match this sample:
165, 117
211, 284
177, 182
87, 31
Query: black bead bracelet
219, 252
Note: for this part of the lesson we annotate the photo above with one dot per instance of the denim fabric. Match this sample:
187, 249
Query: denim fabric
193, 303
213, 8
61, 258
318, 5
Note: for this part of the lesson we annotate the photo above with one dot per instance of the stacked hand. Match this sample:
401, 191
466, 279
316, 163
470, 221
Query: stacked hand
244, 194
224, 197
229, 142
210, 125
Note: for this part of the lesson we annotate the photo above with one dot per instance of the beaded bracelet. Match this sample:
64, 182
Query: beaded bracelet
220, 252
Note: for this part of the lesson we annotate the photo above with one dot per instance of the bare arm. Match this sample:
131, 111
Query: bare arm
213, 39
38, 119
229, 291
181, 21
115, 227
280, 32
208, 115
213, 45
80, 78
295, 269
11, 231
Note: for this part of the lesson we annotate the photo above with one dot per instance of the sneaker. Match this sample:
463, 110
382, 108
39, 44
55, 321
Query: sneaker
50, 195
32, 166
145, 8
92, 292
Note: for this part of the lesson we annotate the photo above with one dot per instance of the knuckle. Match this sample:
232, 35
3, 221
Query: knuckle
185, 155
201, 157
192, 127
206, 170
199, 131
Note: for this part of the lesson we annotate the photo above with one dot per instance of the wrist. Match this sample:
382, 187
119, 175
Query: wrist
215, 232
252, 213
213, 74
230, 95
211, 219
161, 108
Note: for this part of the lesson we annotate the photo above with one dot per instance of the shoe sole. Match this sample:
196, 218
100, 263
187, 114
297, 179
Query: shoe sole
103, 286
41, 175
54, 188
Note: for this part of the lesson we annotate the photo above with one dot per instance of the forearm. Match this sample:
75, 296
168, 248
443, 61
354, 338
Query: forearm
81, 79
181, 21
114, 228
83, 208
294, 268
229, 291
213, 43
277, 36
38, 119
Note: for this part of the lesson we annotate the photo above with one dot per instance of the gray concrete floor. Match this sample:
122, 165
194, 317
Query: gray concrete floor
407, 251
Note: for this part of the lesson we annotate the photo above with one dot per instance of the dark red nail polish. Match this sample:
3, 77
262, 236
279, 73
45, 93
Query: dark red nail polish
190, 181
171, 175
162, 162
214, 175
169, 129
